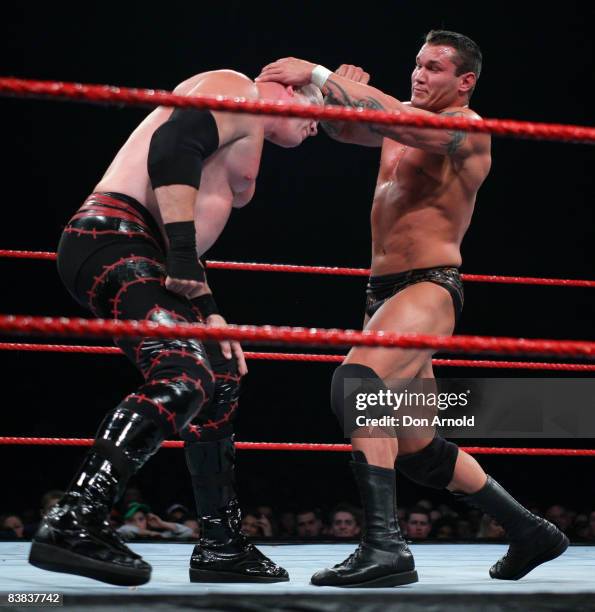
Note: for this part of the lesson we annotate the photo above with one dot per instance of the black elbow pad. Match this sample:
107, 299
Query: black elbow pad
180, 145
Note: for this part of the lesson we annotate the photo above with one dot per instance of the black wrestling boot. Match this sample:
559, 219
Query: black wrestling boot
382, 558
533, 540
75, 536
223, 553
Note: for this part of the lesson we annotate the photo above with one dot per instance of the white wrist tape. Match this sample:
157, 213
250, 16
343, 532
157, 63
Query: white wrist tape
319, 76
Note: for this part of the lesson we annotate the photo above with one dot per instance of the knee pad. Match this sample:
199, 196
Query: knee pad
432, 466
351, 383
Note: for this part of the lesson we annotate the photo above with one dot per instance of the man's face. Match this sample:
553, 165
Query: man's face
14, 523
418, 526
344, 525
434, 83
292, 131
558, 516
139, 519
308, 525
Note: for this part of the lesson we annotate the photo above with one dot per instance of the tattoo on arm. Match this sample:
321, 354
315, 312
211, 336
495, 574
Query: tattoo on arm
337, 96
455, 138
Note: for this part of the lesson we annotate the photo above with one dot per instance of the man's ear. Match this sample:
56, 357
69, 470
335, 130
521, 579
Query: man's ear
290, 90
468, 81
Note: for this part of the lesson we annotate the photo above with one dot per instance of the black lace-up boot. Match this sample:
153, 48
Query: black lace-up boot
382, 558
75, 536
223, 554
533, 540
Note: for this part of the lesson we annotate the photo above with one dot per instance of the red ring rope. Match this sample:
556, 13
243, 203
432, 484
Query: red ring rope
267, 267
292, 335
304, 446
309, 357
107, 94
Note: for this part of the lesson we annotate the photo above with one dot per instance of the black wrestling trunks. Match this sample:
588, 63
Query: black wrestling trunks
381, 288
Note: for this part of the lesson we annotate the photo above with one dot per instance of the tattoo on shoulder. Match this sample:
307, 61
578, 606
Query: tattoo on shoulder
337, 96
456, 137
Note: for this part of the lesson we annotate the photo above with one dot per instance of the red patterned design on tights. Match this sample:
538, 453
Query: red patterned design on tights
102, 278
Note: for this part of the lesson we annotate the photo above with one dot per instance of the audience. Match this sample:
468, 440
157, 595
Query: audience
422, 521
140, 522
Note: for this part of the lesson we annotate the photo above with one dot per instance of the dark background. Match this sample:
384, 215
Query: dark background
534, 216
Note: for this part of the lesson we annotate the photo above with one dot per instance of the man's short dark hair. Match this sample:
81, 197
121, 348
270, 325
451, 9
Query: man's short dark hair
315, 511
468, 58
418, 510
346, 507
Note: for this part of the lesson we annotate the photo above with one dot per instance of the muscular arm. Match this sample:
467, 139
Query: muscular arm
346, 92
349, 132
343, 92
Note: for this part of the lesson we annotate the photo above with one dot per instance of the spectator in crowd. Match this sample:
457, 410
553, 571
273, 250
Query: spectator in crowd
141, 522
193, 524
446, 510
11, 526
345, 521
266, 510
558, 515
177, 513
30, 517
489, 529
131, 494
287, 524
444, 528
255, 525
425, 503
309, 523
580, 527
250, 526
418, 523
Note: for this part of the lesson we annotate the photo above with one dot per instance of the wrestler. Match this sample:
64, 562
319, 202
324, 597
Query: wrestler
132, 252
425, 194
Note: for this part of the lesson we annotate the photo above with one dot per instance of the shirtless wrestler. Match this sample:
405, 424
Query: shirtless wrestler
423, 203
132, 252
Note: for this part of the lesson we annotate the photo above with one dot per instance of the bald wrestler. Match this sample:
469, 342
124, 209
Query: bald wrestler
131, 251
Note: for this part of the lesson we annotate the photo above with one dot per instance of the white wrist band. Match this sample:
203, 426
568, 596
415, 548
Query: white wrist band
319, 76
